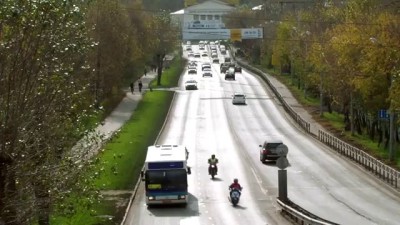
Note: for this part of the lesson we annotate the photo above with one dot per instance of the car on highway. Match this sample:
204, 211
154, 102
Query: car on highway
191, 85
268, 150
192, 70
192, 64
207, 72
197, 55
238, 69
224, 67
215, 60
204, 54
230, 74
239, 98
206, 65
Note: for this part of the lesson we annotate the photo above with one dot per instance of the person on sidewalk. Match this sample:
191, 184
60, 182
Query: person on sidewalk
145, 71
131, 85
140, 86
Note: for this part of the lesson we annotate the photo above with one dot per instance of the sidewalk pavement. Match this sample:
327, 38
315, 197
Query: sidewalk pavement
125, 109
294, 104
89, 146
288, 98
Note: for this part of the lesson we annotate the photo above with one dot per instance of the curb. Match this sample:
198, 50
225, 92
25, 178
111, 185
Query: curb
140, 179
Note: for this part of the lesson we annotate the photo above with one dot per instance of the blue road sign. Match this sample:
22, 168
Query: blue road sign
383, 114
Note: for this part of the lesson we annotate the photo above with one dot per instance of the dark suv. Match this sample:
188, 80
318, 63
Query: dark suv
224, 67
268, 149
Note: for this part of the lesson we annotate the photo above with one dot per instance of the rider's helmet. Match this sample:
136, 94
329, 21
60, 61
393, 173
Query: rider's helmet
213, 156
235, 180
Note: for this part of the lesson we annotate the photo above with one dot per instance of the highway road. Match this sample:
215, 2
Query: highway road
206, 121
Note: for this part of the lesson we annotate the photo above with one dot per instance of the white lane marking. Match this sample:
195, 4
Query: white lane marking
259, 181
190, 221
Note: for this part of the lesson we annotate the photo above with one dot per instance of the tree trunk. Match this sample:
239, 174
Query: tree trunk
380, 134
3, 170
160, 62
42, 203
351, 114
9, 212
371, 132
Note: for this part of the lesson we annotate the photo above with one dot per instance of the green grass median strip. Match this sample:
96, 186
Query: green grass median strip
123, 157
120, 161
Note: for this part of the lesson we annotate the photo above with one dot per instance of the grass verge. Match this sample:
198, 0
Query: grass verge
122, 158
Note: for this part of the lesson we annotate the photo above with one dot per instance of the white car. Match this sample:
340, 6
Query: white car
191, 85
192, 70
239, 98
207, 72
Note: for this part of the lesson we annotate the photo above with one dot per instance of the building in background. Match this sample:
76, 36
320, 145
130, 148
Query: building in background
203, 21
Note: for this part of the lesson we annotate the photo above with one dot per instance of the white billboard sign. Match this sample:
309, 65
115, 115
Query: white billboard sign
222, 34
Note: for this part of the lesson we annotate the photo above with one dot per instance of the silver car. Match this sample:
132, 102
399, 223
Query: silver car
239, 98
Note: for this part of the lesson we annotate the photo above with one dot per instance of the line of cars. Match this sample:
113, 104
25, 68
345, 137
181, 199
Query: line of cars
267, 150
192, 70
228, 68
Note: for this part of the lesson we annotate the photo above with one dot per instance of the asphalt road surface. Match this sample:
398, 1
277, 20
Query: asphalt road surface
206, 121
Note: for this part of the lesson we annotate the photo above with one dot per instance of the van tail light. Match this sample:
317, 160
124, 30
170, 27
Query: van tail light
265, 151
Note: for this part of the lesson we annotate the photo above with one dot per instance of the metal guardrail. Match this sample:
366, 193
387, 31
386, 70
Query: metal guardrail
297, 118
386, 173
301, 216
377, 167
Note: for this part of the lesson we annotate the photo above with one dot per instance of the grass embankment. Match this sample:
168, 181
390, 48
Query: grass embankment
122, 158
334, 123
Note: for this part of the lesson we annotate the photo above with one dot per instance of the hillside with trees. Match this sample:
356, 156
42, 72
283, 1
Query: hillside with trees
63, 67
344, 57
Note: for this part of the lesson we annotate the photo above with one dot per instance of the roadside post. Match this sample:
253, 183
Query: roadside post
282, 163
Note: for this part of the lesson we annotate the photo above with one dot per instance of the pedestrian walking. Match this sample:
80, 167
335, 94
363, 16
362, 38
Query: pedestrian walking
145, 71
140, 86
132, 87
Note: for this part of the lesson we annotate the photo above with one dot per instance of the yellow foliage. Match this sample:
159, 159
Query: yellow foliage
190, 2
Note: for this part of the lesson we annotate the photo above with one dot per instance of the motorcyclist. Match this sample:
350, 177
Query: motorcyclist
235, 185
212, 161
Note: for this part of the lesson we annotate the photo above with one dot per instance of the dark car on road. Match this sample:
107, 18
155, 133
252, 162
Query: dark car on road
238, 68
268, 150
224, 67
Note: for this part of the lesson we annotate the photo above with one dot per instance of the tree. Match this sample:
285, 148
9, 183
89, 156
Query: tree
44, 101
164, 39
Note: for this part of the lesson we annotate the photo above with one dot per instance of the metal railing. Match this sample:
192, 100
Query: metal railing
377, 167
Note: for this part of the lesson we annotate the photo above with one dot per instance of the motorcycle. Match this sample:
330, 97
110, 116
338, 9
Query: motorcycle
234, 196
213, 170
